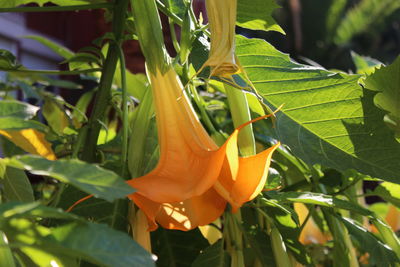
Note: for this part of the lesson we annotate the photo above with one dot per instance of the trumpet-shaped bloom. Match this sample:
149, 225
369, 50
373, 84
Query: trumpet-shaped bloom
194, 177
222, 20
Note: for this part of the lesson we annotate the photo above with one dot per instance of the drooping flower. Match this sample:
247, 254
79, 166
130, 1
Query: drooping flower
194, 177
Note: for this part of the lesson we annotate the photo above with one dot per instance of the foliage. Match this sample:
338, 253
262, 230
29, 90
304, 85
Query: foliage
66, 194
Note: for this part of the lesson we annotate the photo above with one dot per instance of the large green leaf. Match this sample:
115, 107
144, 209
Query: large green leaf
16, 3
327, 117
386, 81
93, 242
257, 15
90, 178
99, 243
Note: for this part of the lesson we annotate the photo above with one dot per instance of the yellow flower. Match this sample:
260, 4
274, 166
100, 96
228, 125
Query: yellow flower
194, 177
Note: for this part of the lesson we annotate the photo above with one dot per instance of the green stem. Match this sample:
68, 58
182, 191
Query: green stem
125, 119
241, 114
175, 42
103, 94
166, 11
55, 8
53, 72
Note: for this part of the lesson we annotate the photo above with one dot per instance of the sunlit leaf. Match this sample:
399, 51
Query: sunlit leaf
389, 192
31, 141
386, 80
364, 65
327, 118
88, 177
257, 15
318, 199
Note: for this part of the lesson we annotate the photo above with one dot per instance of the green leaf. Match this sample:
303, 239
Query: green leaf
96, 243
101, 244
257, 238
386, 81
56, 48
87, 177
95, 209
380, 254
11, 123
367, 15
139, 147
214, 256
257, 15
17, 109
327, 118
16, 3
389, 192
364, 65
318, 199
54, 114
6, 257
16, 186
7, 60
172, 249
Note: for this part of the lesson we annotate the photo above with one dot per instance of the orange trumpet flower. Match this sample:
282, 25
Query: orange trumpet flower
194, 177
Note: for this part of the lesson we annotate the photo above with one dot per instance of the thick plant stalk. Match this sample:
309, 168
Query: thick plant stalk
107, 75
240, 114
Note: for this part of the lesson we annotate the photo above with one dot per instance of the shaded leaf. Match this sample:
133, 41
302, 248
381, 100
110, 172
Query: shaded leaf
7, 60
214, 256
170, 246
54, 115
16, 186
327, 117
11, 123
88, 177
380, 254
257, 15
386, 80
17, 109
